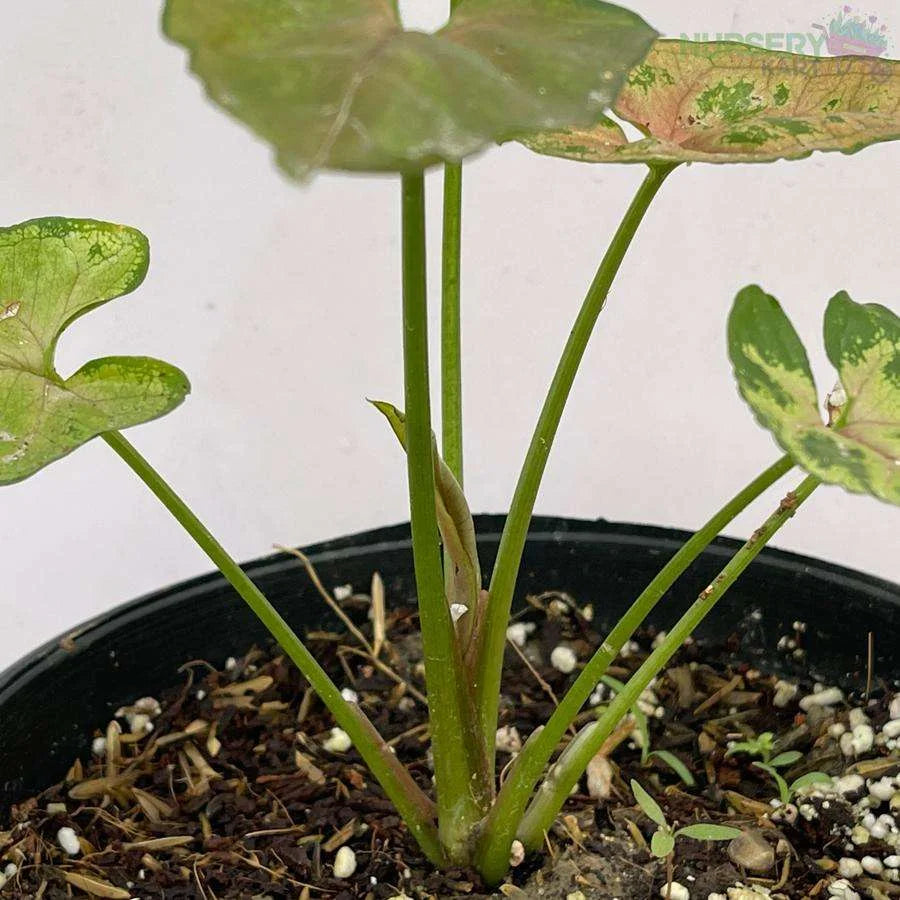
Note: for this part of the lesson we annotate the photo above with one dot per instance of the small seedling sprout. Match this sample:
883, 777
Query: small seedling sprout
663, 842
786, 791
763, 746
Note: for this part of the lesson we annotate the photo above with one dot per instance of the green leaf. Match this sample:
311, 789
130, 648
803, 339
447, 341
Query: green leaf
339, 84
786, 759
675, 764
708, 832
454, 521
723, 102
861, 449
648, 805
662, 843
810, 779
51, 272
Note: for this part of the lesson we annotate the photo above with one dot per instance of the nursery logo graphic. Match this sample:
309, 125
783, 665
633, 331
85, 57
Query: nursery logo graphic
849, 32
852, 33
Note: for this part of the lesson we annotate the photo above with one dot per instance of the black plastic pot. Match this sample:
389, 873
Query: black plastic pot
52, 700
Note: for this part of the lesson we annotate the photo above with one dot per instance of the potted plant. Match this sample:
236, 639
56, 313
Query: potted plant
344, 86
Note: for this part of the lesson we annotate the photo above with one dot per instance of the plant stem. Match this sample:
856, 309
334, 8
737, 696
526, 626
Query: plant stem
451, 342
509, 555
500, 826
451, 359
575, 758
411, 802
459, 757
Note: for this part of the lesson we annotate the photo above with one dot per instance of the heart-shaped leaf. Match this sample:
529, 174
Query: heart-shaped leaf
339, 84
51, 272
860, 448
721, 102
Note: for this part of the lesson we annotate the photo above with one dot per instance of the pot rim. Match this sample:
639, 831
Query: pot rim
396, 538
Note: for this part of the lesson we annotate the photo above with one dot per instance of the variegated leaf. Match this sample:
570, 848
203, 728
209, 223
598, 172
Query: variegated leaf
721, 102
340, 84
51, 272
859, 448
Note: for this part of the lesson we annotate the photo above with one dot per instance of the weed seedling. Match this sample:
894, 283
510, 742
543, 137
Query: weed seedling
763, 746
786, 791
663, 842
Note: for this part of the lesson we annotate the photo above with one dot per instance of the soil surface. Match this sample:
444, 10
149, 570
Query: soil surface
235, 785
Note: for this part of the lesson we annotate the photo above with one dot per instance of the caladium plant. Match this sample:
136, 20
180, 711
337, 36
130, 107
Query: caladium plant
721, 102
340, 84
53, 271
858, 446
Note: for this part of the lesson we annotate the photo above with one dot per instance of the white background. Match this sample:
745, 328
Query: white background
282, 305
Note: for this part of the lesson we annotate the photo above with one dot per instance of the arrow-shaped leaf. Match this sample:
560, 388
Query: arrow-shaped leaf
339, 84
860, 450
51, 272
721, 102
454, 521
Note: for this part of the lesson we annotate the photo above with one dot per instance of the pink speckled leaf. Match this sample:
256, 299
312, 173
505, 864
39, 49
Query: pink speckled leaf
724, 102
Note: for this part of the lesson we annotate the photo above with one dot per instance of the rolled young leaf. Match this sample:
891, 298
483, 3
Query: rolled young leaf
51, 272
861, 449
725, 102
454, 520
339, 84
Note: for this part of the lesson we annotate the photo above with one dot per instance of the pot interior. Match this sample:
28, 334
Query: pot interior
51, 701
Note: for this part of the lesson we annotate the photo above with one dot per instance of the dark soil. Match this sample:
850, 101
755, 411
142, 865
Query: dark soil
232, 794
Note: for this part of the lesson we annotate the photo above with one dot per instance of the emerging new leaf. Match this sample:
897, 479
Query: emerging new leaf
721, 102
51, 272
339, 84
455, 523
860, 449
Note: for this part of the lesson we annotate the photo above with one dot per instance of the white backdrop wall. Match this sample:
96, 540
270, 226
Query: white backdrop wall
281, 303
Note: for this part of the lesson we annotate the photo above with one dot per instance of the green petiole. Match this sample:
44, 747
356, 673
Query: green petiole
509, 555
451, 340
532, 761
413, 804
574, 760
460, 763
